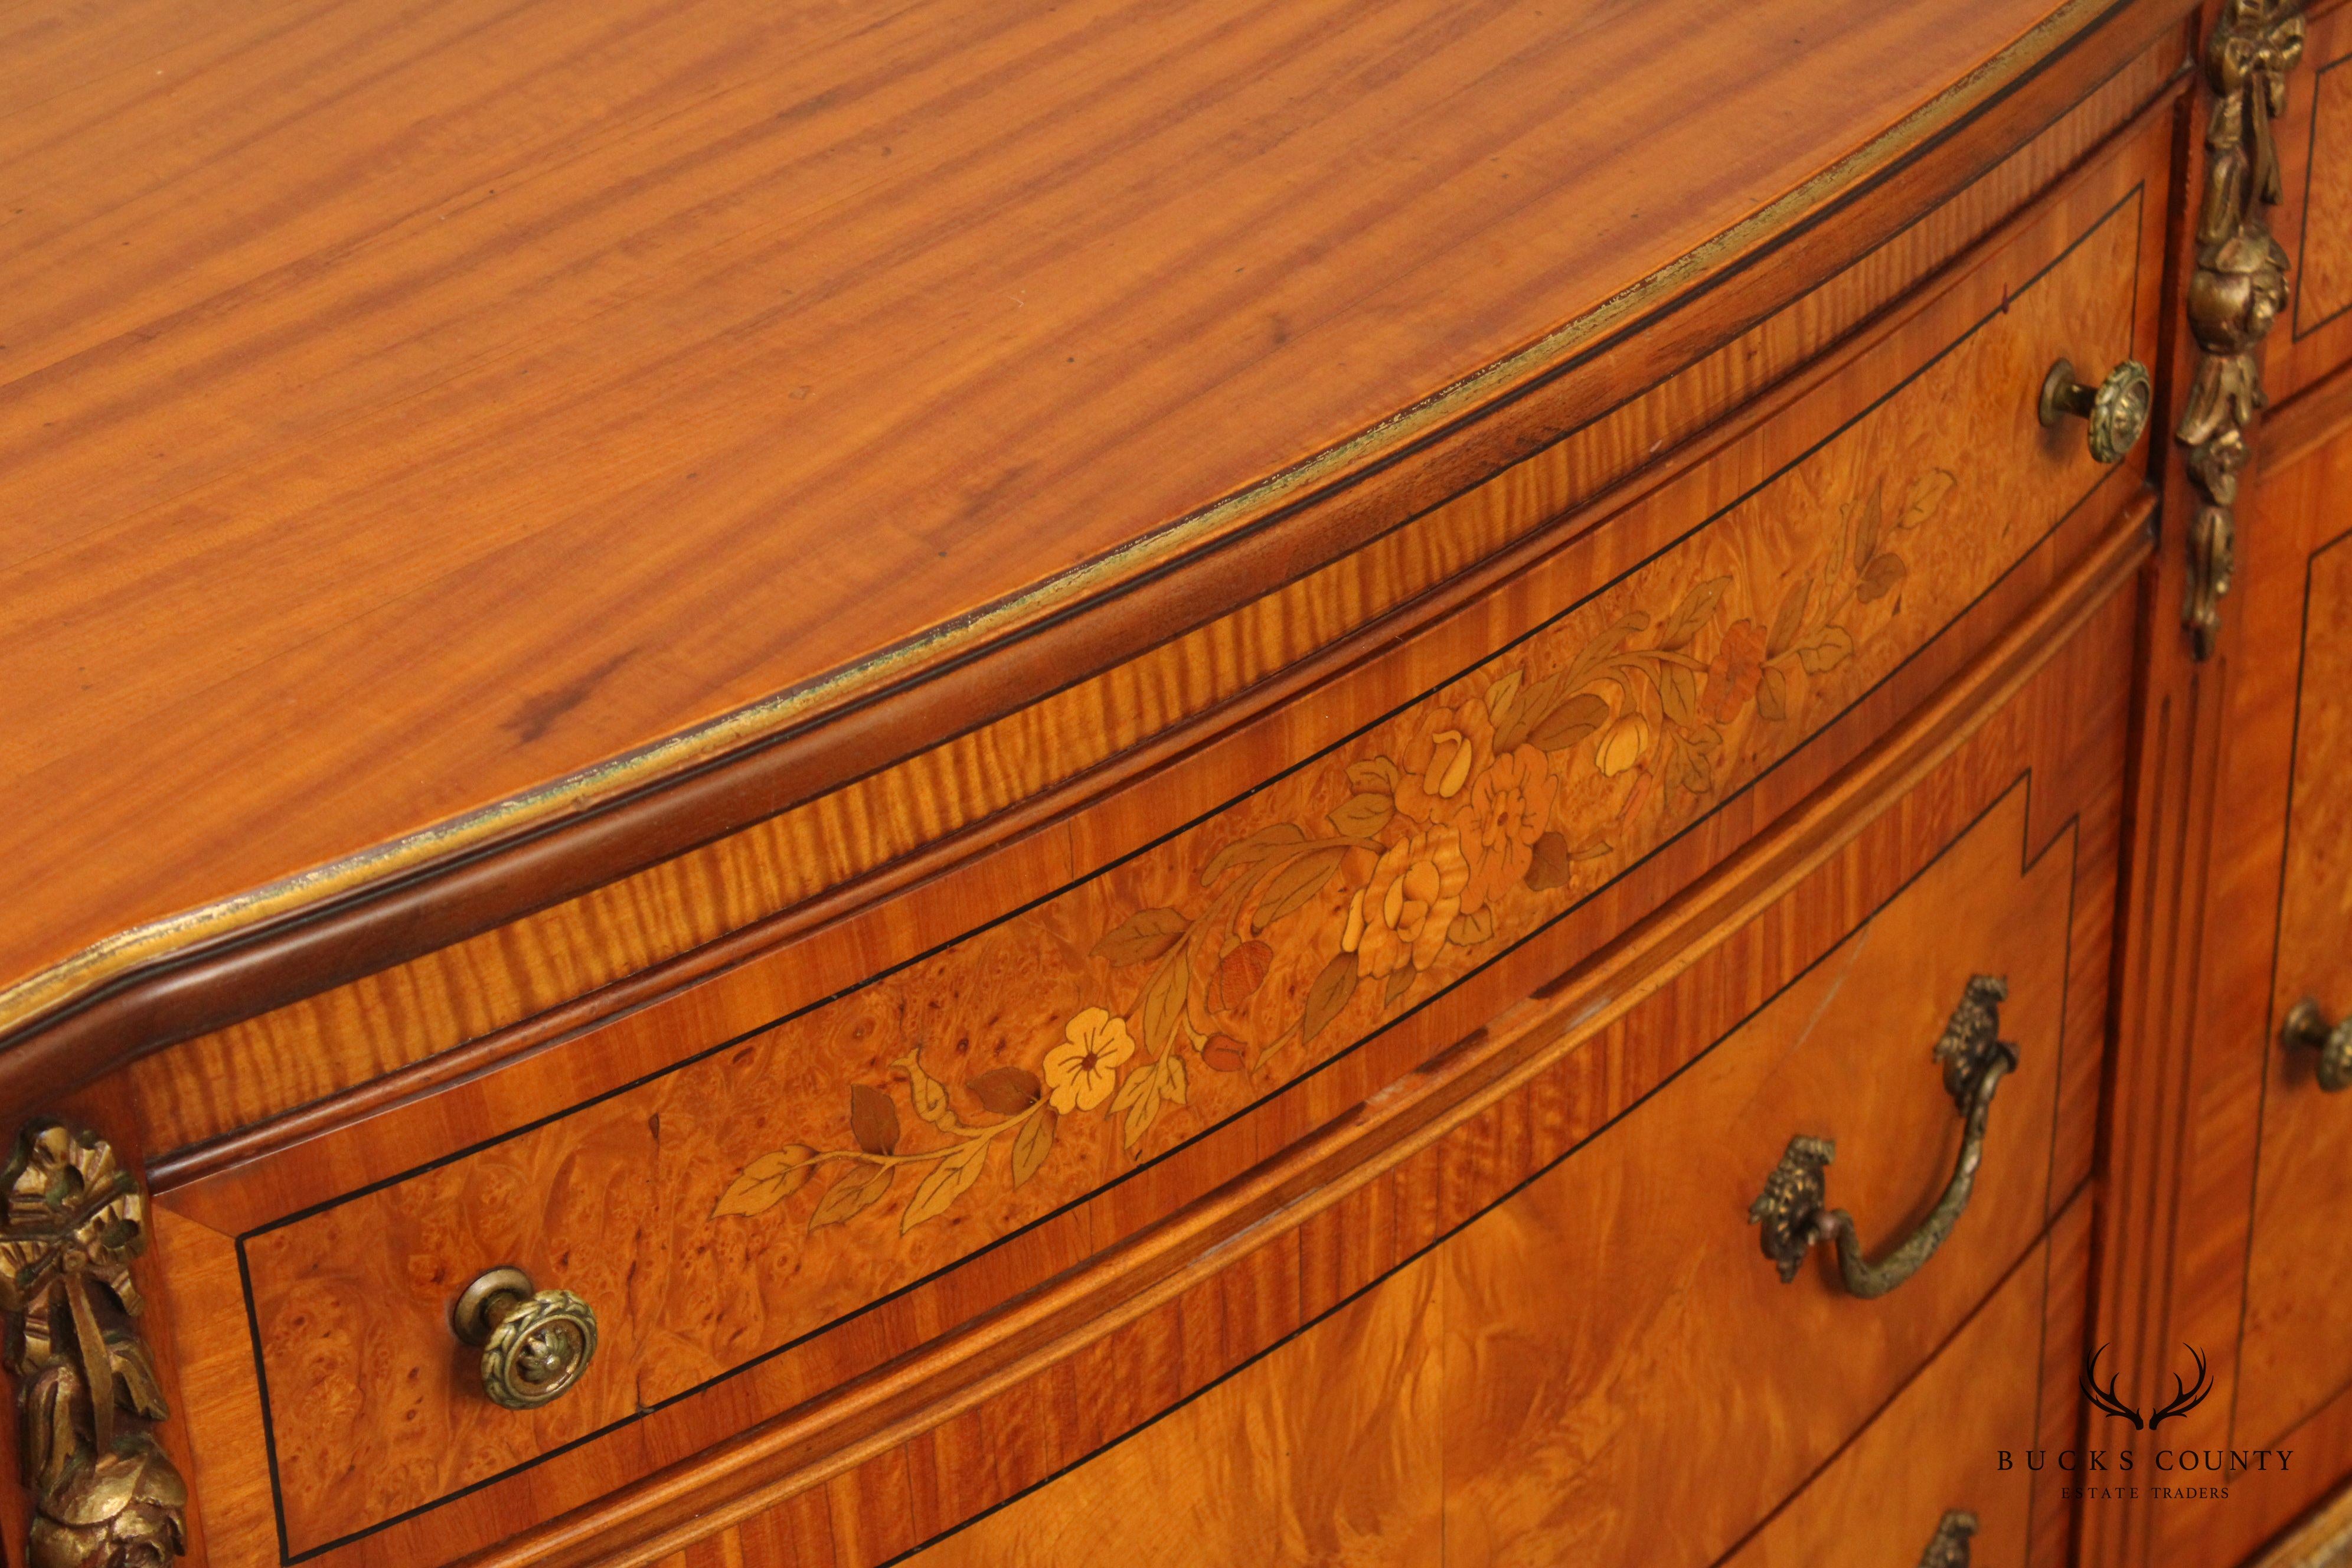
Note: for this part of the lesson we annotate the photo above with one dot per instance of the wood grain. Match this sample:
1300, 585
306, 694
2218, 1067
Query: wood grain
1626, 1285
1938, 1445
1325, 1451
2190, 1281
873, 833
2316, 220
2296, 1271
1174, 990
2063, 718
421, 404
1321, 1413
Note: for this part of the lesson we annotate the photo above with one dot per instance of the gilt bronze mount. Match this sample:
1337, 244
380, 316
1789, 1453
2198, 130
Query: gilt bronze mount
105, 1495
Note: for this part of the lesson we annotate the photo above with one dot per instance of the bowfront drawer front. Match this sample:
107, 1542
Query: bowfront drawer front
1571, 1347
1620, 1305
1950, 1464
785, 1175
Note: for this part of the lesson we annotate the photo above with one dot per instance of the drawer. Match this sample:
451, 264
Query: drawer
1590, 1312
1618, 1307
774, 1181
2314, 220
2273, 1180
1980, 1448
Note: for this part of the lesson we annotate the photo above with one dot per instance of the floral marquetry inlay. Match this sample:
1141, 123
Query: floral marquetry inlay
1440, 837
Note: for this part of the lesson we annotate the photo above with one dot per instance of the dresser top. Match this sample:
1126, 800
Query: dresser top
422, 422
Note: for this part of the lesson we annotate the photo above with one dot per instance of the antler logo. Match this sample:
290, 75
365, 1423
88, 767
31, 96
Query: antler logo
2186, 1397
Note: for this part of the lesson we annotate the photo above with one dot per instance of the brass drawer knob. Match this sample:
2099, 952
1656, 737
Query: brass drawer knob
1949, 1547
2307, 1028
2118, 409
535, 1343
1794, 1208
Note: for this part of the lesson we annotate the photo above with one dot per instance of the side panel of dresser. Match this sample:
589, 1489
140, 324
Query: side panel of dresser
2264, 1268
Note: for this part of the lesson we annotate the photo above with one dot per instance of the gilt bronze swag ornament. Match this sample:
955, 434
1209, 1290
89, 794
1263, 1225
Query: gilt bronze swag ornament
105, 1495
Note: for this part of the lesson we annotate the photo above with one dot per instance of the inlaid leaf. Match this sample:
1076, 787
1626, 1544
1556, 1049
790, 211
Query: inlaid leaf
873, 1119
1249, 851
1692, 612
1772, 694
1698, 776
1469, 930
1138, 1099
1143, 937
1571, 722
858, 1189
1592, 851
1548, 868
1865, 527
1678, 693
929, 1095
1296, 883
1533, 704
1032, 1143
1827, 652
1878, 579
1791, 620
1361, 815
768, 1181
1503, 696
1164, 1001
1400, 982
948, 1180
1334, 984
1174, 1082
1602, 648
1007, 1091
1927, 493
1373, 776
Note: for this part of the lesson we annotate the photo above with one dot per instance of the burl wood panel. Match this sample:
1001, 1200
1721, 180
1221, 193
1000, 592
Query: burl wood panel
866, 1143
2264, 1167
1120, 721
1620, 1305
2315, 138
1939, 1444
351, 355
1324, 1450
2046, 706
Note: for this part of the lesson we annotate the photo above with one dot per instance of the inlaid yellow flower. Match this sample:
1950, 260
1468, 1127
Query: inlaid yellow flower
1400, 920
1448, 746
1083, 1069
1507, 808
1621, 745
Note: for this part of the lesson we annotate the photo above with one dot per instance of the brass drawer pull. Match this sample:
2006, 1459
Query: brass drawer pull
2307, 1027
2117, 407
1793, 1207
1949, 1547
535, 1345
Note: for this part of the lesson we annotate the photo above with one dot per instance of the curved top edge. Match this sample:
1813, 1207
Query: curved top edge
34, 1003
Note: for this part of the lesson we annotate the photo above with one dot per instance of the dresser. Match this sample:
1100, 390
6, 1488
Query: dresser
1343, 782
